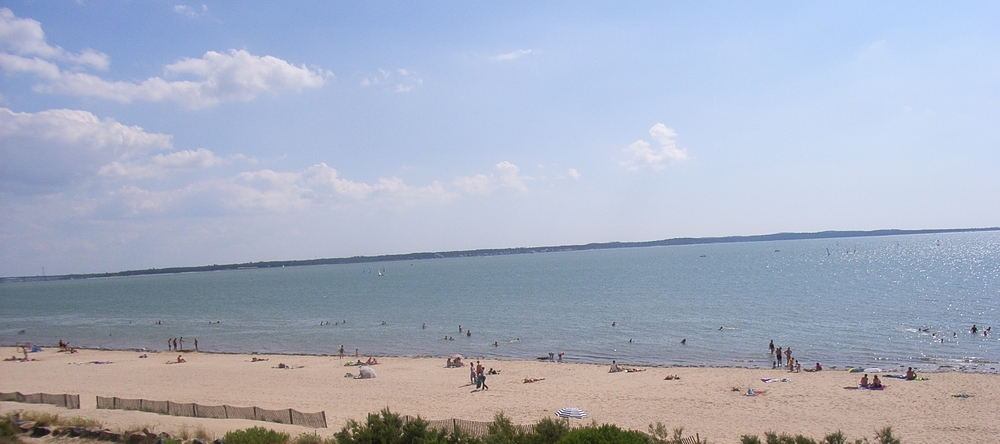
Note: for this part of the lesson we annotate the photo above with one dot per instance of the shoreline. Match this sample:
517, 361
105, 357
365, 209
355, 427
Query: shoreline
977, 366
701, 400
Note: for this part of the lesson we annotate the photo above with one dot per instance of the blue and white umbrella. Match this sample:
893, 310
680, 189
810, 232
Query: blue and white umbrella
571, 412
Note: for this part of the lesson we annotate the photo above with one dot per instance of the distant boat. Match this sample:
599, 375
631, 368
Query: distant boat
381, 271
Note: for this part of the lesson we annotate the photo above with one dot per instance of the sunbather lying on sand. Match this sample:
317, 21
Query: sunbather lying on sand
527, 380
180, 360
671, 377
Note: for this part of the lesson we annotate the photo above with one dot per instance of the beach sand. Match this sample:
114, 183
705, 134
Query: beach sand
702, 401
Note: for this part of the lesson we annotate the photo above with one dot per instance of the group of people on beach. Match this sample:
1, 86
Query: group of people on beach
875, 384
477, 375
64, 347
172, 344
789, 360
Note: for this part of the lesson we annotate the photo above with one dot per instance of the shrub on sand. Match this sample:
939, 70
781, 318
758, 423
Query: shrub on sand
255, 435
386, 427
605, 434
547, 431
308, 438
884, 436
659, 435
8, 433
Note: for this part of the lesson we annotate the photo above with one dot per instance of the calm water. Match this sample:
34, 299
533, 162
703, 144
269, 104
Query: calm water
884, 301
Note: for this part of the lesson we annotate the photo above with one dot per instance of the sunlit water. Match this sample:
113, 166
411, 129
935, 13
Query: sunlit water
877, 301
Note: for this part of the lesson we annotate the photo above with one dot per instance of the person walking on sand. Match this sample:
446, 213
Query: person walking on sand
482, 378
341, 351
195, 344
472, 373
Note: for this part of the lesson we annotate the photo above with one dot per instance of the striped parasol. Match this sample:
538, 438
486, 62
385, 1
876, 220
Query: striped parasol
571, 412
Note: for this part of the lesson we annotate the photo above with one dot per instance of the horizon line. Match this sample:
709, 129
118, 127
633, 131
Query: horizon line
828, 234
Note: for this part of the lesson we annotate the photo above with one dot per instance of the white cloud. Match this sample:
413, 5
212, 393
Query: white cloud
54, 148
191, 12
318, 186
573, 173
507, 176
478, 184
512, 55
405, 80
25, 37
207, 81
645, 157
161, 165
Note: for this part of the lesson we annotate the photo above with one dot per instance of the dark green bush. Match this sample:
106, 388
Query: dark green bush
835, 438
772, 438
547, 431
884, 436
749, 439
605, 434
8, 433
255, 435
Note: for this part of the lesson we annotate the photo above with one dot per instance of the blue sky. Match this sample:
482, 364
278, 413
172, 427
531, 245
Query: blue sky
155, 134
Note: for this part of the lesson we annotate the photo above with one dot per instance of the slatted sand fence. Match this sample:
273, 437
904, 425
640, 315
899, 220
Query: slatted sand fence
63, 400
194, 410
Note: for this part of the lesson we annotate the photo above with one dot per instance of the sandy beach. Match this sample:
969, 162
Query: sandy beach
702, 400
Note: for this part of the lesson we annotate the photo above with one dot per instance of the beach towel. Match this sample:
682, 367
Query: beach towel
769, 380
752, 392
919, 378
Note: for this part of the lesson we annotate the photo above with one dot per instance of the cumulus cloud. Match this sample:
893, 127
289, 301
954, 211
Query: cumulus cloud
194, 82
401, 81
74, 152
506, 176
191, 12
513, 55
322, 185
644, 157
573, 173
43, 151
162, 165
25, 38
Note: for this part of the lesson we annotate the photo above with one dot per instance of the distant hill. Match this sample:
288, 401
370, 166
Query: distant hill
502, 251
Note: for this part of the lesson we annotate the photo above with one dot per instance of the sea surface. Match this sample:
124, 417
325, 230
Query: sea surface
888, 302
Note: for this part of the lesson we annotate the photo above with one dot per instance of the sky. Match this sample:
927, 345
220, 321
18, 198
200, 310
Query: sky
148, 134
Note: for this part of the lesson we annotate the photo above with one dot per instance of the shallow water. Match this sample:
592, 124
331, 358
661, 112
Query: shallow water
875, 301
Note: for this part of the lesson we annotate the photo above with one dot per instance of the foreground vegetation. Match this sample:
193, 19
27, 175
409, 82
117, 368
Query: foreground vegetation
386, 427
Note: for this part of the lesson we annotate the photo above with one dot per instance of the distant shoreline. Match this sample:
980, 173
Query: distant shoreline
499, 252
736, 365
